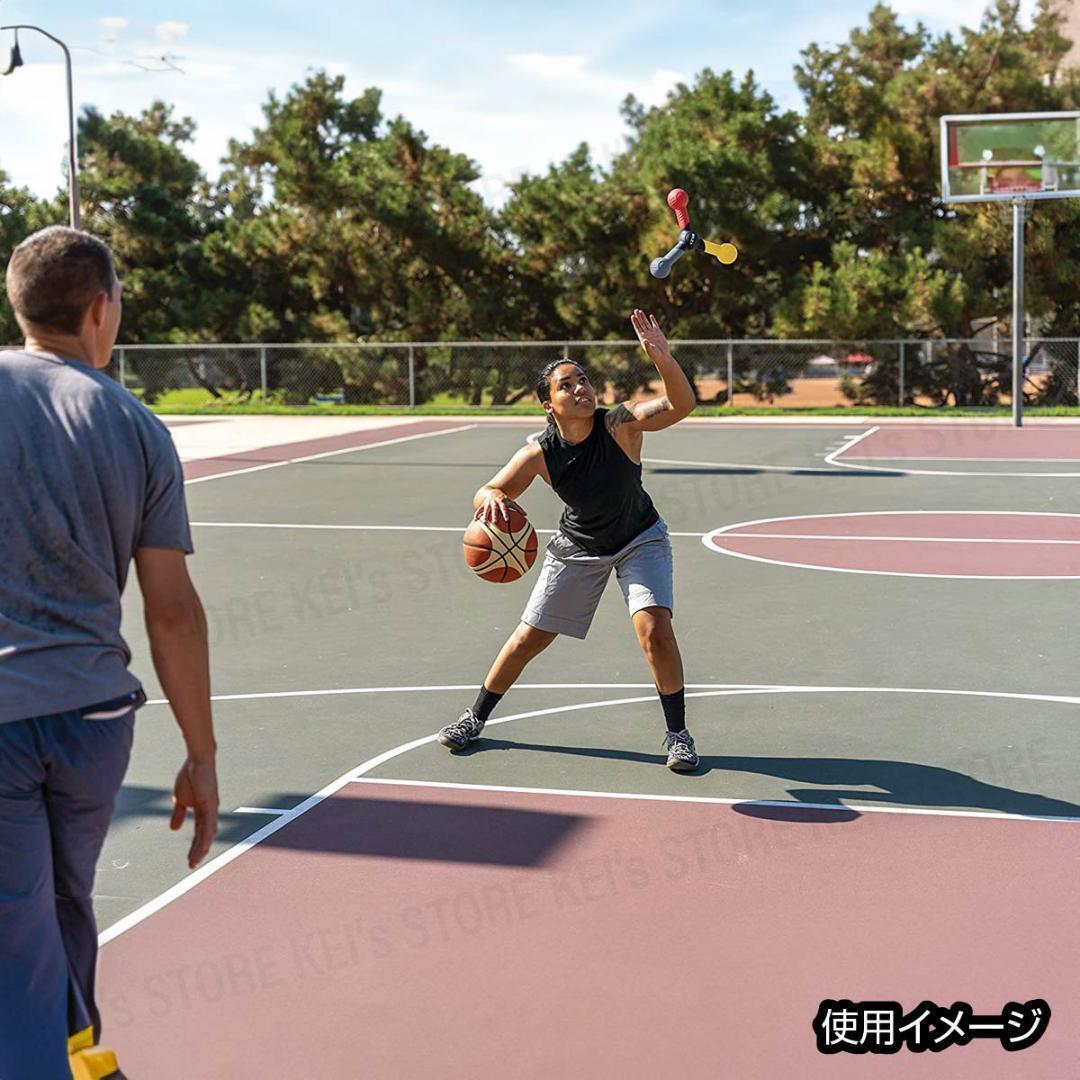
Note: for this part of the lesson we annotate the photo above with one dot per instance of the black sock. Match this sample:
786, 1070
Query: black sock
674, 709
485, 702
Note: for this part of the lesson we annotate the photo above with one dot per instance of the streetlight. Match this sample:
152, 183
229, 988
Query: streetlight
73, 163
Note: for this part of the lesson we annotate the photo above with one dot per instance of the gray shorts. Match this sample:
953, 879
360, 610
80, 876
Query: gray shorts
572, 581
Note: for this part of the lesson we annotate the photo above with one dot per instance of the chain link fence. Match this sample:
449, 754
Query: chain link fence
786, 373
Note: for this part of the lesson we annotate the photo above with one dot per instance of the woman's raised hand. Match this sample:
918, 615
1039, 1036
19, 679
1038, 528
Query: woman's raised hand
650, 335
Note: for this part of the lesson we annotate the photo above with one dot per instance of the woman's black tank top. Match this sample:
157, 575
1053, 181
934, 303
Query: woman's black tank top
606, 506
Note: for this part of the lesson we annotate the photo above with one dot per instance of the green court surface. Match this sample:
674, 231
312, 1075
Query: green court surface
334, 645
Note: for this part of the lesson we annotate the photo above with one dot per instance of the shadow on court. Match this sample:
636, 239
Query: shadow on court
388, 828
442, 832
136, 801
901, 783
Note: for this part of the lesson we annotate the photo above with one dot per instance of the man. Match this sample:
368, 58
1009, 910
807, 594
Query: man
89, 480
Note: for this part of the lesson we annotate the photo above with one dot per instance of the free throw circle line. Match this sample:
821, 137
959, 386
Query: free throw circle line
944, 457
901, 539
712, 540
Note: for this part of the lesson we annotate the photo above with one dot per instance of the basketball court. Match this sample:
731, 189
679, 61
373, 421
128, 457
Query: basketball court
886, 809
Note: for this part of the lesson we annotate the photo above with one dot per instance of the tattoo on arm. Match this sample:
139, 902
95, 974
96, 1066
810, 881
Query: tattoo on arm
641, 410
644, 410
619, 415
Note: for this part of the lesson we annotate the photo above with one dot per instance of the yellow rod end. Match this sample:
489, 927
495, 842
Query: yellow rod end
725, 253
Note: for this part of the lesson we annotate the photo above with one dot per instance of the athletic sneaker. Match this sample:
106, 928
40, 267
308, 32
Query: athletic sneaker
681, 755
464, 730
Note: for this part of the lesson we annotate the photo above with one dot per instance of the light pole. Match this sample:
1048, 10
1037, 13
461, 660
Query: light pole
73, 156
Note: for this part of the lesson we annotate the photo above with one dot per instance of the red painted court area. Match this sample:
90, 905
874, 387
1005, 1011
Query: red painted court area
415, 932
326, 446
964, 442
932, 543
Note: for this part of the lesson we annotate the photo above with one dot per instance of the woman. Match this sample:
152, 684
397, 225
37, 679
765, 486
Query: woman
591, 458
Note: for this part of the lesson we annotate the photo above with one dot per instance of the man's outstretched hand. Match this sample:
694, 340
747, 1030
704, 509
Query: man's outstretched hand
196, 789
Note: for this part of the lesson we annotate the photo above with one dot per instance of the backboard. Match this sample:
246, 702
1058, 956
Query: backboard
999, 157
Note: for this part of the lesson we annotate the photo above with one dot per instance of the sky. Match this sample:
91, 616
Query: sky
514, 86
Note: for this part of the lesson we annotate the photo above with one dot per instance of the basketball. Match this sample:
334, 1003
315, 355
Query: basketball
500, 553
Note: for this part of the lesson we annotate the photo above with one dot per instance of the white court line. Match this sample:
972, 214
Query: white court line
834, 459
887, 573
344, 528
830, 459
798, 470
462, 687
953, 472
273, 812
887, 513
215, 864
279, 822
326, 454
808, 469
713, 541
364, 528
849, 443
947, 457
701, 690
786, 804
723, 464
906, 539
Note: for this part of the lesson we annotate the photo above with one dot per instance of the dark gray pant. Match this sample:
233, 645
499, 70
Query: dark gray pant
59, 777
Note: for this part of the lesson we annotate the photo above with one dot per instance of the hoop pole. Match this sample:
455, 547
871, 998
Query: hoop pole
1018, 314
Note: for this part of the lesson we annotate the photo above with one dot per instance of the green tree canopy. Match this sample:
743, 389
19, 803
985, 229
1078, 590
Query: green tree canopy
331, 222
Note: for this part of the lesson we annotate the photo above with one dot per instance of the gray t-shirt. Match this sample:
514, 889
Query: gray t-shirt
87, 475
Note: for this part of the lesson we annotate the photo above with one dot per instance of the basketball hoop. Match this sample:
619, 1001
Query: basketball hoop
1015, 160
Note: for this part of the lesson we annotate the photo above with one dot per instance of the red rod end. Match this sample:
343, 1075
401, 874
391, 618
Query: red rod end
678, 200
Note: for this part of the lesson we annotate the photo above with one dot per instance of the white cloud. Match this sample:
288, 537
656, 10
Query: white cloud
551, 67
573, 72
35, 127
661, 81
522, 137
115, 23
35, 123
535, 110
171, 32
